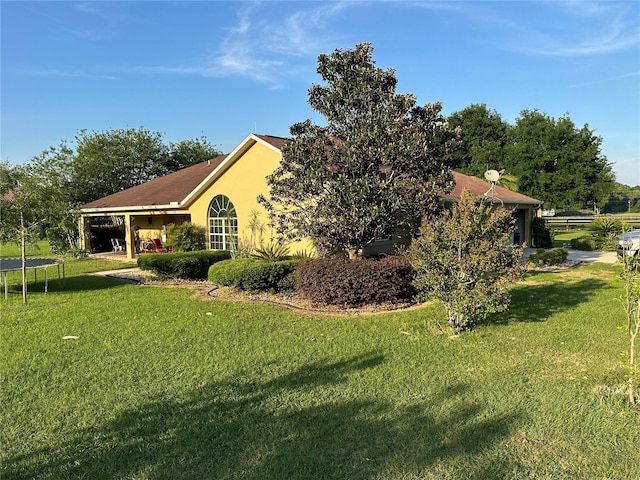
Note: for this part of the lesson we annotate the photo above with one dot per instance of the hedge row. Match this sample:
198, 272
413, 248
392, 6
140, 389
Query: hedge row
253, 274
186, 265
354, 283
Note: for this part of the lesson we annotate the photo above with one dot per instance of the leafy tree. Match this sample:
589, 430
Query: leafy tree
111, 161
114, 160
465, 260
50, 174
20, 221
623, 199
557, 162
187, 153
378, 163
484, 137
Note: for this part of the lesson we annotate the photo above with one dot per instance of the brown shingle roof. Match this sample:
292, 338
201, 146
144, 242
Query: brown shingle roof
480, 187
173, 187
274, 141
177, 186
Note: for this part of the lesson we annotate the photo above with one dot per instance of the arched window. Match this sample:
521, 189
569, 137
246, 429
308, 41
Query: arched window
223, 224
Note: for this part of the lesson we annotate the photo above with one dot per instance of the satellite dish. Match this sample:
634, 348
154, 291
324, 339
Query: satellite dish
492, 175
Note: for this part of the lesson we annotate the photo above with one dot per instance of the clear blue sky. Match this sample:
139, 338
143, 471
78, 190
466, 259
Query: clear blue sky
227, 69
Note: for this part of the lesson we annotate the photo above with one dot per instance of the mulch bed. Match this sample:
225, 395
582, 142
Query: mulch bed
205, 290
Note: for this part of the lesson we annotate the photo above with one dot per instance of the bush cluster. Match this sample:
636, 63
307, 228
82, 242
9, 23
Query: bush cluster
186, 265
253, 274
187, 237
338, 281
590, 243
542, 236
549, 257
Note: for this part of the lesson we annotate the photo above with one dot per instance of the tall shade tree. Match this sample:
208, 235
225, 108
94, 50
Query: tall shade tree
187, 153
377, 165
484, 137
110, 161
558, 162
114, 160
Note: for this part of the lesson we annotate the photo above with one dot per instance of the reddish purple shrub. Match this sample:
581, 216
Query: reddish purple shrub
338, 281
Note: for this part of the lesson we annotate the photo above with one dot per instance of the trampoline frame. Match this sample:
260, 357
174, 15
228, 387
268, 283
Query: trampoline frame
54, 262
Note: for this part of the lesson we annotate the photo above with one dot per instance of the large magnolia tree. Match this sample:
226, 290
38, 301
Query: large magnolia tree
377, 165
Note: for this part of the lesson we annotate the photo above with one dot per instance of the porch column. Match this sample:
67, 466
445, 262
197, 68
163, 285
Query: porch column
84, 233
528, 218
131, 251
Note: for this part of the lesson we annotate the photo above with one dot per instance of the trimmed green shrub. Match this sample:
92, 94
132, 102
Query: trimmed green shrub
340, 281
252, 274
586, 243
186, 265
542, 236
549, 257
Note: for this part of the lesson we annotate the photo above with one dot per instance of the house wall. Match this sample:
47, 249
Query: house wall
242, 182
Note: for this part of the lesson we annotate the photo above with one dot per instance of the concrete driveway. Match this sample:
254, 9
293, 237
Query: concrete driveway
582, 256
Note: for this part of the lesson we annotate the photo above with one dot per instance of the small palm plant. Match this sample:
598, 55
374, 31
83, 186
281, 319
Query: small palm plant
271, 252
605, 227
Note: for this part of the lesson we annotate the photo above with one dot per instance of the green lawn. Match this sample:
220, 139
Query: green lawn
161, 385
40, 249
562, 238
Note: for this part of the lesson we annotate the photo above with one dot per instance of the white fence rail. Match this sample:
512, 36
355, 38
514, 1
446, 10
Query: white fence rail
581, 221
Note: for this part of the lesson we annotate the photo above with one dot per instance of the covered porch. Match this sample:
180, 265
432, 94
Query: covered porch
149, 225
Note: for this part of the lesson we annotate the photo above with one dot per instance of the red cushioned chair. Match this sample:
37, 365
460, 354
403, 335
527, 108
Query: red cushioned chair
157, 246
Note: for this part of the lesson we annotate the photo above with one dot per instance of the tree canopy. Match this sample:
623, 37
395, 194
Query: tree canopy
552, 159
378, 164
484, 137
59, 179
114, 160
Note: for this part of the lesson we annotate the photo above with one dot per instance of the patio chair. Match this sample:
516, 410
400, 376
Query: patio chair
116, 246
157, 246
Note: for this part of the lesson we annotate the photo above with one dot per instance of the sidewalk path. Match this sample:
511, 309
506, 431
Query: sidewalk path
128, 274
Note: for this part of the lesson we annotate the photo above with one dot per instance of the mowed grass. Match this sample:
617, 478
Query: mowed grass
161, 385
562, 238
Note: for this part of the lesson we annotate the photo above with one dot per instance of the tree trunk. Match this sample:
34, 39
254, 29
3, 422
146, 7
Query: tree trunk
353, 254
24, 257
633, 333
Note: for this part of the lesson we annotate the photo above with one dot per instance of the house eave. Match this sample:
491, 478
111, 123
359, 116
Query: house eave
130, 208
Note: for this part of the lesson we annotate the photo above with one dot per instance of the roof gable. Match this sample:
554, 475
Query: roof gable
177, 189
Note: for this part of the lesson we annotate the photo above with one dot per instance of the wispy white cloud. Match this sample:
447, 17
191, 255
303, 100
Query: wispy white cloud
267, 45
576, 28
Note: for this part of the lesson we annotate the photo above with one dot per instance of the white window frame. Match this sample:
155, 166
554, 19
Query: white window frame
223, 224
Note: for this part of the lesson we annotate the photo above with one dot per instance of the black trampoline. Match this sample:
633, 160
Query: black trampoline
14, 264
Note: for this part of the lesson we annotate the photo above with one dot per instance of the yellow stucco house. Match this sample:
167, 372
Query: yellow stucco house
221, 194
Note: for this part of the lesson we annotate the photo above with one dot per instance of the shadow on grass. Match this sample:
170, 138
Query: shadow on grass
82, 283
280, 429
536, 303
